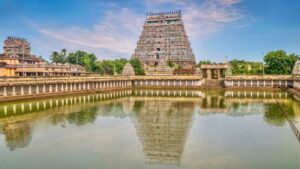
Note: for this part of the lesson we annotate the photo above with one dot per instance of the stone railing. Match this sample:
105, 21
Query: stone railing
259, 81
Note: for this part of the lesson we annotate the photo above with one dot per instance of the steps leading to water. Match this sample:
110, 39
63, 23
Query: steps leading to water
213, 83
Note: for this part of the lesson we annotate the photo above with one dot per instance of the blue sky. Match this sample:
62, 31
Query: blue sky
236, 29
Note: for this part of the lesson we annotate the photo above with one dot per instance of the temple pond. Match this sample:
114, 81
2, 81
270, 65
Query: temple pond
136, 129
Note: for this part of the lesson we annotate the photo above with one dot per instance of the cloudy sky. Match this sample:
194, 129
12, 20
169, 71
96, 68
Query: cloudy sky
236, 29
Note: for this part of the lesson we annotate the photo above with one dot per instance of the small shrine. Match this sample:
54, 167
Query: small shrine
128, 70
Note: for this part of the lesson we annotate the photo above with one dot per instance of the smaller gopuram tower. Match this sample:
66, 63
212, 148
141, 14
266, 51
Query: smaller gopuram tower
16, 46
164, 38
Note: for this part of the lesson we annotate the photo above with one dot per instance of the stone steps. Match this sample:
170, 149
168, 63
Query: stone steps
213, 83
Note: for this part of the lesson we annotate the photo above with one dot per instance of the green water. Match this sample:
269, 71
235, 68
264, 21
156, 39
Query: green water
151, 129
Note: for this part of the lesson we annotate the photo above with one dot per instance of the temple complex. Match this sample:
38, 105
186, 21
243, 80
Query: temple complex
164, 39
17, 60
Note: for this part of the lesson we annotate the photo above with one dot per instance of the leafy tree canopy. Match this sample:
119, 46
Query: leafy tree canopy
279, 62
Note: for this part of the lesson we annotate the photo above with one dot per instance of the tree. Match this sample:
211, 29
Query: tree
119, 64
87, 60
204, 62
44, 60
57, 57
104, 67
279, 62
137, 66
246, 67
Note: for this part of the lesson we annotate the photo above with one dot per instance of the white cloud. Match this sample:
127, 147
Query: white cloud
117, 32
204, 18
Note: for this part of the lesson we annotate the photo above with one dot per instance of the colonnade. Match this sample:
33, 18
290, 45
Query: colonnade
167, 83
258, 83
29, 89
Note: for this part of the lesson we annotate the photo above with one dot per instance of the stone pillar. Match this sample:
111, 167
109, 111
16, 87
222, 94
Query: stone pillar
84, 86
251, 83
208, 73
264, 83
79, 84
44, 88
66, 88
219, 73
29, 89
97, 85
37, 89
4, 91
50, 88
22, 90
238, 83
56, 87
62, 87
88, 85
272, 83
13, 90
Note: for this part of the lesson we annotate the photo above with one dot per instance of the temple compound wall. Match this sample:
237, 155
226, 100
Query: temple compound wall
28, 87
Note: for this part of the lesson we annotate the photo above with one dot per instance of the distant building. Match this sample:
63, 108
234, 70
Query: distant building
18, 61
164, 39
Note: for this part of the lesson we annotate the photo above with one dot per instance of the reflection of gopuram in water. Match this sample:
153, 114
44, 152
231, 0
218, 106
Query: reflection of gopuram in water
162, 127
17, 135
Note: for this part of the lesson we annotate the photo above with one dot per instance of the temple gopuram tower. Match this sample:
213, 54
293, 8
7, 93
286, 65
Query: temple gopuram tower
16, 46
164, 38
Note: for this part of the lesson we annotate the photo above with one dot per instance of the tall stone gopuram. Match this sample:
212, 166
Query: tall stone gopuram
164, 38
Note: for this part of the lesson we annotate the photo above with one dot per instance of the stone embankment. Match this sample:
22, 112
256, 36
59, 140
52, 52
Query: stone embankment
34, 87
